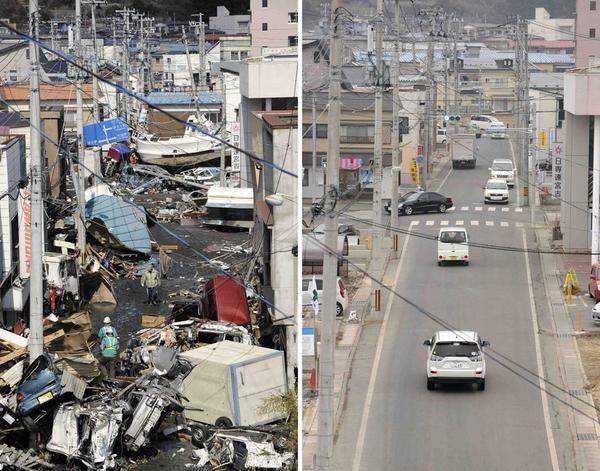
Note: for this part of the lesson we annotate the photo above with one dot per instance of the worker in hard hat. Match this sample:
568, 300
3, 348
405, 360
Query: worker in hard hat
109, 347
151, 281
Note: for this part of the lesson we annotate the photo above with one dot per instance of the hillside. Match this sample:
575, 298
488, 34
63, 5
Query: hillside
178, 10
494, 11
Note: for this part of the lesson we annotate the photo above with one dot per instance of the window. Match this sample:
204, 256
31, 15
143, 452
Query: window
592, 33
235, 55
305, 180
14, 233
592, 5
321, 131
27, 54
265, 27
12, 75
243, 54
293, 17
265, 3
292, 41
317, 57
357, 134
453, 237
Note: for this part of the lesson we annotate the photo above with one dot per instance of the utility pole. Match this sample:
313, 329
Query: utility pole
530, 193
521, 108
191, 71
79, 183
201, 41
330, 261
36, 269
596, 193
126, 12
428, 112
223, 128
314, 142
396, 123
377, 246
456, 71
96, 103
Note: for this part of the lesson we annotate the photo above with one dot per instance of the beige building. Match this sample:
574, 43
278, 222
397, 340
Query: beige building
552, 29
273, 24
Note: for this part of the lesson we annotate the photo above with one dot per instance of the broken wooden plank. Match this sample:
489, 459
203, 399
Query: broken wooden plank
14, 340
22, 351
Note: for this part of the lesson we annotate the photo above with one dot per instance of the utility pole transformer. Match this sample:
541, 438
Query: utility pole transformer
36, 268
377, 246
330, 262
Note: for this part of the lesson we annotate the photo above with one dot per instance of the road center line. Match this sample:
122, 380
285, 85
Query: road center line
538, 355
375, 369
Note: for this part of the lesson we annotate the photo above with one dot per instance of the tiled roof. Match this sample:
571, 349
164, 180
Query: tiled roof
59, 91
183, 98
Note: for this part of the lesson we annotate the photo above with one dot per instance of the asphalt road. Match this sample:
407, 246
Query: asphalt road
390, 420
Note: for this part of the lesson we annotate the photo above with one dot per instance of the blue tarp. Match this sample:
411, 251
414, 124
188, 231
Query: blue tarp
106, 132
126, 223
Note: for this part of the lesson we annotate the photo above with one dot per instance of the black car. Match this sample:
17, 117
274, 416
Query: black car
401, 200
425, 202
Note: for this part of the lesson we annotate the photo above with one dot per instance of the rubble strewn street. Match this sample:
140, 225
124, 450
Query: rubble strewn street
147, 241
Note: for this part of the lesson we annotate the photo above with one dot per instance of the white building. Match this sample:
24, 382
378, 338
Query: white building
551, 29
273, 24
229, 24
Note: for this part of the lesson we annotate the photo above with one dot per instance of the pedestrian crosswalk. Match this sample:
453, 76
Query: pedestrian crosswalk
472, 222
491, 209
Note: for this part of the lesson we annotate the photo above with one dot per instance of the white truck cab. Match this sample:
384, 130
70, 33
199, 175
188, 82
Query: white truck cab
455, 357
453, 246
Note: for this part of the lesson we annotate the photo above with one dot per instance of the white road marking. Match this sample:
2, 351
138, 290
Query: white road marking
491, 208
538, 355
429, 223
474, 223
444, 223
464, 208
414, 223
519, 210
505, 210
478, 208
519, 224
503, 223
460, 223
375, 369
453, 208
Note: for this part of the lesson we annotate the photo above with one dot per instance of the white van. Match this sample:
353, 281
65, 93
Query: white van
482, 122
341, 298
441, 137
455, 357
453, 245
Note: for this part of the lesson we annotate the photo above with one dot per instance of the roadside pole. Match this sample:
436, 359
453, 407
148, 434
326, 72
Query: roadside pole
428, 112
325, 411
223, 128
80, 180
530, 194
314, 144
396, 129
36, 268
377, 247
596, 193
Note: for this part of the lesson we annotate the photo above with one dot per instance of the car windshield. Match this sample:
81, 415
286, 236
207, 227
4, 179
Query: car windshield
456, 349
504, 166
453, 237
497, 186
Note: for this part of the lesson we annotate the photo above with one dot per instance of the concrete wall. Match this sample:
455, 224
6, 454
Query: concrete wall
275, 15
574, 215
585, 48
270, 78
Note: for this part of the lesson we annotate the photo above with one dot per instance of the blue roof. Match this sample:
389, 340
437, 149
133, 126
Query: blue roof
124, 221
183, 98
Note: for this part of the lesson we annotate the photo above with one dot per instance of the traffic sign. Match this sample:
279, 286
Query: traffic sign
420, 159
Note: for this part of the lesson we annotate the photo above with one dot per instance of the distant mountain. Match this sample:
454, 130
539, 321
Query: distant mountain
493, 11
181, 10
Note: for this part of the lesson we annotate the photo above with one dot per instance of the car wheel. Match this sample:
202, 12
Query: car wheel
430, 385
481, 385
224, 422
408, 210
442, 208
200, 435
339, 310
439, 263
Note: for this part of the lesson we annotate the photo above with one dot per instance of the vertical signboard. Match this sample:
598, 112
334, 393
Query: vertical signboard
557, 167
236, 158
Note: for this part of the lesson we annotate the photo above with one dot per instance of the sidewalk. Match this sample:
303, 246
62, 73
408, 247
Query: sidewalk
348, 333
583, 421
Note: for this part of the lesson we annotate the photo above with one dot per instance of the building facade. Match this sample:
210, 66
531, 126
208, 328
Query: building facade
552, 29
229, 24
587, 33
273, 24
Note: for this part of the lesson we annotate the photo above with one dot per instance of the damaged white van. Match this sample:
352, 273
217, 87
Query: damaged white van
453, 246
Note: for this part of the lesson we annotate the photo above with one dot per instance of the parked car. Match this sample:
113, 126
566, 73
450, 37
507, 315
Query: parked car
453, 246
441, 136
495, 191
482, 122
424, 202
401, 199
593, 288
455, 357
596, 313
504, 169
341, 298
